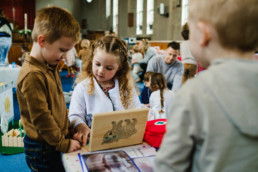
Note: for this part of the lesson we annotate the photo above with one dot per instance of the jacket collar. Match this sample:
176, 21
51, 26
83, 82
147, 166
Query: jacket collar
38, 64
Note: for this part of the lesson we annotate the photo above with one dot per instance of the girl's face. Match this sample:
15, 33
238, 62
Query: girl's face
104, 67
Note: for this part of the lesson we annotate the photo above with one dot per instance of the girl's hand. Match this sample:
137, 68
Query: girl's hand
82, 133
74, 146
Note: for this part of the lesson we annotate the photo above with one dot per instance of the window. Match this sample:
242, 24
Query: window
139, 19
115, 16
150, 16
185, 15
108, 9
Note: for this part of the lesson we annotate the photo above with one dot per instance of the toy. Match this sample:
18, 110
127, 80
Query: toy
6, 105
13, 138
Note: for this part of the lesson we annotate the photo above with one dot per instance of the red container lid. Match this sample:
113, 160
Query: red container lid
157, 126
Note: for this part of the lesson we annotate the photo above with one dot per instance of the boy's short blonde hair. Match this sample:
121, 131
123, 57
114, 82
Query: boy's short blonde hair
54, 22
235, 21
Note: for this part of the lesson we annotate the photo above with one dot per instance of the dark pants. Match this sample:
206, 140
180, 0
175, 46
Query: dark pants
40, 156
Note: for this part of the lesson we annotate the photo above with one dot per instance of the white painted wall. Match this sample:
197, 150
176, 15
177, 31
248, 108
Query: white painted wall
95, 13
74, 6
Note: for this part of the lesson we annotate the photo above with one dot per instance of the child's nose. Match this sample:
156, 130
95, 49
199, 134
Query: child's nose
101, 69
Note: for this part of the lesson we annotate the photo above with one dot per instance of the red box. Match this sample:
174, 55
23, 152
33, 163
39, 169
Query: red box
155, 130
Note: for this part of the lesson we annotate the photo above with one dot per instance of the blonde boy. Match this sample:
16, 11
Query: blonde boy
212, 125
40, 95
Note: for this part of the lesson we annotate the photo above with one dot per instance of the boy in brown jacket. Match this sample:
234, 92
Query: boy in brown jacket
40, 95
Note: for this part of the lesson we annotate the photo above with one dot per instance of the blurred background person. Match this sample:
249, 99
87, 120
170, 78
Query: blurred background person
148, 53
25, 52
6, 29
136, 56
84, 52
187, 58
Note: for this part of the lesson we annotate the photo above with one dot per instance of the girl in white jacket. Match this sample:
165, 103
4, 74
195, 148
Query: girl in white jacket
161, 97
105, 84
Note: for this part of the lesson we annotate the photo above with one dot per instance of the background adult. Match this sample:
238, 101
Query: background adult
169, 66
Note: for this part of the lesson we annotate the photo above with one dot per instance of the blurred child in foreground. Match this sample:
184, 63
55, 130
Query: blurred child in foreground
212, 124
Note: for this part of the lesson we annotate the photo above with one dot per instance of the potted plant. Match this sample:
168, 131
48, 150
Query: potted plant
25, 34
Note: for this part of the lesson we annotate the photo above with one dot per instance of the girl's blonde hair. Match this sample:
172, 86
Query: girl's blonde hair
117, 47
158, 82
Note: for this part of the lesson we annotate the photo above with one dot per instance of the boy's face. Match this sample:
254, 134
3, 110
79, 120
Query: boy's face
196, 48
53, 53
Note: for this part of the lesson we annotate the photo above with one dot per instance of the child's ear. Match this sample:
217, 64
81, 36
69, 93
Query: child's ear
41, 40
205, 33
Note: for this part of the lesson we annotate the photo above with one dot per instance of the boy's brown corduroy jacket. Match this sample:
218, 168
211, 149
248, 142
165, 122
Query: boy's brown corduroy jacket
42, 104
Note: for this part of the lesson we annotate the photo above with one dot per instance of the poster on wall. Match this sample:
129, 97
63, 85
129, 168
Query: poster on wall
6, 105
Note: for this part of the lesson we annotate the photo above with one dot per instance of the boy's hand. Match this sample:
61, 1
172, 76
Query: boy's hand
82, 133
74, 145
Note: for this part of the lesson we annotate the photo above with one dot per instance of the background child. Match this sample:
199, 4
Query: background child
104, 85
145, 94
148, 53
212, 124
137, 56
70, 62
187, 58
39, 91
25, 52
84, 52
160, 95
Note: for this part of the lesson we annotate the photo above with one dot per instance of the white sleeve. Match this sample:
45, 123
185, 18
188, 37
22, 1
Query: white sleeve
78, 109
151, 101
136, 101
